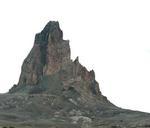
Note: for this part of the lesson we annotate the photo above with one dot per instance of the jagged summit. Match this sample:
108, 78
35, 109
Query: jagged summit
49, 58
51, 32
48, 54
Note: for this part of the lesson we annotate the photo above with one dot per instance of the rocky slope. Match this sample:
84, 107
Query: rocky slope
56, 92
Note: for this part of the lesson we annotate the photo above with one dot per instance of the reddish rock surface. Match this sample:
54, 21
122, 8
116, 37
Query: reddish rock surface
49, 53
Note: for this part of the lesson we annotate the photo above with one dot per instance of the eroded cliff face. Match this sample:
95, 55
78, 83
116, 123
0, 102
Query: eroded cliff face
49, 53
50, 57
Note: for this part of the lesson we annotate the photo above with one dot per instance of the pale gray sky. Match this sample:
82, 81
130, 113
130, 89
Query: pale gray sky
111, 37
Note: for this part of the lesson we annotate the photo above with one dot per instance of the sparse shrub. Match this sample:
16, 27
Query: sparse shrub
147, 125
8, 127
37, 90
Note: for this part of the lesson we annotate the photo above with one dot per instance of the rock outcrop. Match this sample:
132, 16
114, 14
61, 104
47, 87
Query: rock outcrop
49, 53
56, 92
49, 56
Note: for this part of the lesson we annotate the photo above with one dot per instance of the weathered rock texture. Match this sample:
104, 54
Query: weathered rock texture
49, 53
55, 92
49, 56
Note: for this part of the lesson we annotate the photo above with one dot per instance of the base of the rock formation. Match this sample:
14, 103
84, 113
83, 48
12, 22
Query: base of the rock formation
53, 111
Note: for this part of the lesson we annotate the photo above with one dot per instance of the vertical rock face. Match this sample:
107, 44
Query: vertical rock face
48, 54
49, 65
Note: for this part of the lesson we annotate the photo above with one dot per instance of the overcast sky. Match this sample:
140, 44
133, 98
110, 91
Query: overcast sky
110, 36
